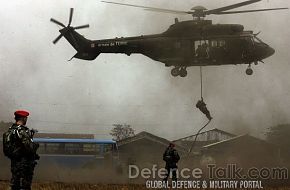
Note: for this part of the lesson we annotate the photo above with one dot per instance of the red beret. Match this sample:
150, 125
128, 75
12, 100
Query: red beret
22, 113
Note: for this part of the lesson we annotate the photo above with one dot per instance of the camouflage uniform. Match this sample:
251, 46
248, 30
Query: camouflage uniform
171, 158
23, 163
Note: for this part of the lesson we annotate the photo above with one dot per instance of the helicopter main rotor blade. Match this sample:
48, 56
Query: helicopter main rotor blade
81, 27
214, 11
248, 11
70, 16
57, 22
168, 11
151, 8
57, 38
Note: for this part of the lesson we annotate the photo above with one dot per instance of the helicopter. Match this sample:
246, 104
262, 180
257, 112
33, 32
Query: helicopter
196, 42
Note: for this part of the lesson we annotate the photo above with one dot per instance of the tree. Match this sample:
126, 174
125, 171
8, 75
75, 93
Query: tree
122, 131
279, 135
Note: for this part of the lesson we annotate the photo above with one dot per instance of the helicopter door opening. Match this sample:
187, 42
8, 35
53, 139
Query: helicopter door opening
201, 49
217, 49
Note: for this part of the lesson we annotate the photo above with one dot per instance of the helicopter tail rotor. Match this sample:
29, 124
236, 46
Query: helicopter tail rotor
67, 28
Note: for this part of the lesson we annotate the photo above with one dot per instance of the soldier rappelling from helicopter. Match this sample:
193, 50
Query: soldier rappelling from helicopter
201, 105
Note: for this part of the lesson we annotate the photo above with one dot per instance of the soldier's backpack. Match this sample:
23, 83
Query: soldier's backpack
10, 140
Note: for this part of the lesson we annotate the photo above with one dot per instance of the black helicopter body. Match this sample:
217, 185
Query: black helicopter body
195, 42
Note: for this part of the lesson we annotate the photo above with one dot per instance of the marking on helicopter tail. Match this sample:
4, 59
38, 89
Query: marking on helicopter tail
112, 44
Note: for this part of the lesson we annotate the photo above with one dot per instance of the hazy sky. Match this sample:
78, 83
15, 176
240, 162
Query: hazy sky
88, 97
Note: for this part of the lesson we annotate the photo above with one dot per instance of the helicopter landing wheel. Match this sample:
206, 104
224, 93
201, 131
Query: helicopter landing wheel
183, 72
249, 71
175, 72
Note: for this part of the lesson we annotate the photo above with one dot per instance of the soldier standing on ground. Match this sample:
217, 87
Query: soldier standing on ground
19, 147
171, 158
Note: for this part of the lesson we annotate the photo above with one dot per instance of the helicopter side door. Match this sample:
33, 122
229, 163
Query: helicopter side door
218, 49
201, 49
211, 50
237, 49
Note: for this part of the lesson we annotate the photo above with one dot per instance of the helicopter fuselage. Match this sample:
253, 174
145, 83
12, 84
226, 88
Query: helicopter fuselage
184, 44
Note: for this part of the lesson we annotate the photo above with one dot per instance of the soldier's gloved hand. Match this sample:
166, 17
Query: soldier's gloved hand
36, 145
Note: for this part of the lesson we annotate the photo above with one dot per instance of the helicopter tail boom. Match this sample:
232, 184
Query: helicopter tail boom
80, 44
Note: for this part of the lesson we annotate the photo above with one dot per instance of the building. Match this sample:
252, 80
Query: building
243, 150
144, 149
64, 135
203, 138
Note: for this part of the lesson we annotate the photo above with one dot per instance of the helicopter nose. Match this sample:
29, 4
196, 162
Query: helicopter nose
264, 51
270, 51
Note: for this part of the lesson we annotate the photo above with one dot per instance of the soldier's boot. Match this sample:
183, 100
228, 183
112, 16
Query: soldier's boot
26, 183
13, 187
15, 183
206, 113
167, 174
209, 117
174, 178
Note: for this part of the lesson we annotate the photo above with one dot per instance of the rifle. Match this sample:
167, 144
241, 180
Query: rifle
36, 145
32, 132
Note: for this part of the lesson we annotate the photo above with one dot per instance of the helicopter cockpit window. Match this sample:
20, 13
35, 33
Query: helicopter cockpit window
257, 40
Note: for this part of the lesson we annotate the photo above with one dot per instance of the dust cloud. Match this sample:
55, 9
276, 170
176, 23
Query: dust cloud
89, 96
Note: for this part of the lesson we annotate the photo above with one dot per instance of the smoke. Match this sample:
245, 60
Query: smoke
88, 97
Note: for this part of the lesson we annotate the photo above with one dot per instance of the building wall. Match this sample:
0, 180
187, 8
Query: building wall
245, 151
203, 139
213, 135
142, 152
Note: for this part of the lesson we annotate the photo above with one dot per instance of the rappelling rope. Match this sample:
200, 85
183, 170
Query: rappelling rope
201, 96
192, 145
200, 71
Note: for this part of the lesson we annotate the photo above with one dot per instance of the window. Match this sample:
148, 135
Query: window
72, 148
222, 43
214, 43
218, 43
52, 148
89, 147
257, 40
75, 148
108, 147
41, 148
